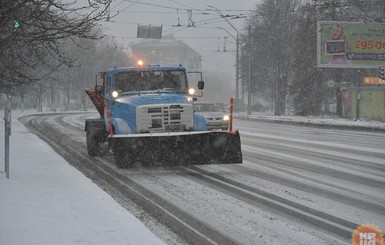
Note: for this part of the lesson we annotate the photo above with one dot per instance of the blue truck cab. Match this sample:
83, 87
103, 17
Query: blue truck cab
148, 100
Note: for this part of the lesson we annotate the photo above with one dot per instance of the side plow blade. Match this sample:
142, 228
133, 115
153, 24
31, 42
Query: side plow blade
195, 148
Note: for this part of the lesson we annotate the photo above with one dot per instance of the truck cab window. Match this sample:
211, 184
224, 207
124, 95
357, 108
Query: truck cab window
150, 81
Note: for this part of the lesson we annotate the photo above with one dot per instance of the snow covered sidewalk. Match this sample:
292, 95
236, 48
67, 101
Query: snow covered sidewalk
46, 201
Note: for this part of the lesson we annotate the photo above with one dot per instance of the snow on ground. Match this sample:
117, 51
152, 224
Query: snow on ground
47, 201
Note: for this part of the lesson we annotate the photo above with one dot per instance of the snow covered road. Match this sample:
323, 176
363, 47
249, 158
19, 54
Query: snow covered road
297, 185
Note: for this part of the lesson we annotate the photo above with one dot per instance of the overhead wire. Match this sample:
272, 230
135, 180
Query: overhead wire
180, 4
133, 2
202, 23
117, 5
187, 37
207, 11
194, 9
189, 11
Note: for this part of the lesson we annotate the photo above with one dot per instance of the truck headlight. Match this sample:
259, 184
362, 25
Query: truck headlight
115, 94
226, 117
191, 91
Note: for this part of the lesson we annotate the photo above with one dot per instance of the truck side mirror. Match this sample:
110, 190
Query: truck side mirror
98, 88
201, 85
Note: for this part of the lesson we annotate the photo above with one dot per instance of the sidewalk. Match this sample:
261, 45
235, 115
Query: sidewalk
46, 201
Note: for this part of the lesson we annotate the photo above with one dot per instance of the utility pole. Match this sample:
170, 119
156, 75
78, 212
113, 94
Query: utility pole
278, 93
237, 56
7, 133
249, 77
237, 76
242, 99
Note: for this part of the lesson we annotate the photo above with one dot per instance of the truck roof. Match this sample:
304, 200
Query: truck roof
145, 68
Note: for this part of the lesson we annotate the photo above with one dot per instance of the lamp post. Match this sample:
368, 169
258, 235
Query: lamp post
237, 55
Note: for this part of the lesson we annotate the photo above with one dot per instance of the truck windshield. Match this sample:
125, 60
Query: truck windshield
139, 81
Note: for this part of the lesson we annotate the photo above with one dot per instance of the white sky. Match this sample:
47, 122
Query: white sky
204, 38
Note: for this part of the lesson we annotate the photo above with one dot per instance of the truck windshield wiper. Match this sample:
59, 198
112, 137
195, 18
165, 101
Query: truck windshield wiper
168, 89
131, 92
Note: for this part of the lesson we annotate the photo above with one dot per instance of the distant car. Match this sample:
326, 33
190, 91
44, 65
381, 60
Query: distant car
223, 107
215, 117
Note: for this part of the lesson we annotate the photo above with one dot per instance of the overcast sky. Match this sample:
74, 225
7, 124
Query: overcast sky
205, 37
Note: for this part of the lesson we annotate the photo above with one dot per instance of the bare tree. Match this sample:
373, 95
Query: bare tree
32, 34
90, 57
281, 48
269, 44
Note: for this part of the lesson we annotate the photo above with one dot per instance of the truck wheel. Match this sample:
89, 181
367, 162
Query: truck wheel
96, 135
93, 147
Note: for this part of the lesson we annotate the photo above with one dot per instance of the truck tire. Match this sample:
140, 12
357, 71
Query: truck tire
95, 136
92, 143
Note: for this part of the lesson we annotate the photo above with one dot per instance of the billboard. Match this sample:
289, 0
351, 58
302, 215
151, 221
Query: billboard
350, 45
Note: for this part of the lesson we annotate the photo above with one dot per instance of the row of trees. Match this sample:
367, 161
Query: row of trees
279, 46
64, 89
52, 46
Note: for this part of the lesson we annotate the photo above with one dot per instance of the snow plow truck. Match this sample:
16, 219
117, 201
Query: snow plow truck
147, 117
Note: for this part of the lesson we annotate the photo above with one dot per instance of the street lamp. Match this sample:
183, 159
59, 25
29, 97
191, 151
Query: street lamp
237, 54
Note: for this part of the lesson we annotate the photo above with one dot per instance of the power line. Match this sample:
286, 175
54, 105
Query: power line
197, 24
117, 5
193, 9
198, 11
133, 2
154, 12
180, 4
155, 5
186, 37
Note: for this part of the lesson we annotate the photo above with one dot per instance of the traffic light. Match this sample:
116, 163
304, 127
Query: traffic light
16, 24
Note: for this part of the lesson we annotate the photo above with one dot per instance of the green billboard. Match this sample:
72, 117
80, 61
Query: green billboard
350, 44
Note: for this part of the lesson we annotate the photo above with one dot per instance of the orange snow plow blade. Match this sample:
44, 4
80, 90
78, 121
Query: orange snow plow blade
97, 99
177, 149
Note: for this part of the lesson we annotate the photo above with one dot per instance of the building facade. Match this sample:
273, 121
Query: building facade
166, 52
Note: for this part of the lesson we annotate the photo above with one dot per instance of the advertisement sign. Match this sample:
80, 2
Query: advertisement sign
350, 45
373, 81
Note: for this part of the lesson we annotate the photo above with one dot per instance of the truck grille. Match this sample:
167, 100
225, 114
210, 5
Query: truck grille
164, 118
